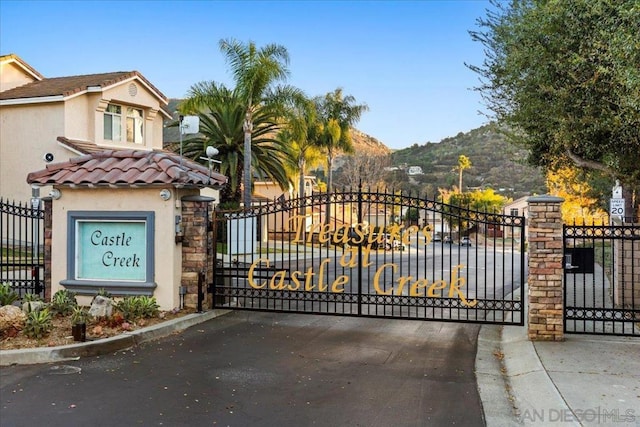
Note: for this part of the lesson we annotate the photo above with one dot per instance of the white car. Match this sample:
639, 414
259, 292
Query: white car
465, 241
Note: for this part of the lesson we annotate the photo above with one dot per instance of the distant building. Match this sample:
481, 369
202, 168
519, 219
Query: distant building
414, 170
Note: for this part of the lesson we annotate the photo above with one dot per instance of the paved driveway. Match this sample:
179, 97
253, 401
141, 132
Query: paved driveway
262, 369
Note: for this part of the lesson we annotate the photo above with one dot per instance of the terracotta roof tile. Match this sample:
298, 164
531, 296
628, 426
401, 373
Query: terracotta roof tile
125, 168
67, 86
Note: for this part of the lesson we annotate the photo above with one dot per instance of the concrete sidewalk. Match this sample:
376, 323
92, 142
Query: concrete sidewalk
586, 380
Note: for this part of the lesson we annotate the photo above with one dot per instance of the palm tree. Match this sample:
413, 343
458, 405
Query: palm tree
256, 72
300, 136
337, 114
463, 164
222, 117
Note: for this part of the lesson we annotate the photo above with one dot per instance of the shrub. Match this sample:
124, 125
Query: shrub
79, 315
135, 307
7, 295
38, 324
63, 302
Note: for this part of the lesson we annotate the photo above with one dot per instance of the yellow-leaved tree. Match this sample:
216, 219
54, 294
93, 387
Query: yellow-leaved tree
579, 206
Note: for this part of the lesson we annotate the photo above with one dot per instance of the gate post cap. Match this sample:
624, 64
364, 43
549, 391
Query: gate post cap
545, 198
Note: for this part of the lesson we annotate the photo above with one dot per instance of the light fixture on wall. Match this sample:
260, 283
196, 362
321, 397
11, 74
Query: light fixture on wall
165, 194
55, 194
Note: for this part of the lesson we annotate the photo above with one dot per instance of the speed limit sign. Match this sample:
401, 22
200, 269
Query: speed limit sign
616, 207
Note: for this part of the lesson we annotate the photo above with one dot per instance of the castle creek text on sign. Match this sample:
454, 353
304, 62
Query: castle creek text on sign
112, 250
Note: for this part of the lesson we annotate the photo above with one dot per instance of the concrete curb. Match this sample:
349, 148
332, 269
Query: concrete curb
513, 389
491, 380
106, 345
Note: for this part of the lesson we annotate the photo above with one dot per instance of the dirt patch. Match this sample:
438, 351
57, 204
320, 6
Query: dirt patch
96, 329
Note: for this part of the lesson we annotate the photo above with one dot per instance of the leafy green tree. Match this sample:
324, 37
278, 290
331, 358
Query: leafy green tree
257, 72
222, 116
563, 76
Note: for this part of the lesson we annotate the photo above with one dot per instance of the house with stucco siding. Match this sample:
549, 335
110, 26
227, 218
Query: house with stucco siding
45, 120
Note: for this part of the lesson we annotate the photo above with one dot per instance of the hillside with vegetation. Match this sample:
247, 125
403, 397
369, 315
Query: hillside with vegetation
495, 164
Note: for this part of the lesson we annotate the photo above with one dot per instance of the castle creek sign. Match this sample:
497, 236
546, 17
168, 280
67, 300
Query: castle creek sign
111, 250
314, 280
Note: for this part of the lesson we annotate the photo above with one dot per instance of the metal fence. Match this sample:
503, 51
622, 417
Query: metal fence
22, 239
371, 253
602, 279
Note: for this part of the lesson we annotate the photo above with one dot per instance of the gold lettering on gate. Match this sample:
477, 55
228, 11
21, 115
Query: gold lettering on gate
311, 280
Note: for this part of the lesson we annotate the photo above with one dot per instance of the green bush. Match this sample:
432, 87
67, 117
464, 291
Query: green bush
135, 307
7, 295
38, 324
31, 297
63, 302
79, 315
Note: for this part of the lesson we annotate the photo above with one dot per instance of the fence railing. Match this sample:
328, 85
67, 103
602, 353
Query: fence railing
22, 239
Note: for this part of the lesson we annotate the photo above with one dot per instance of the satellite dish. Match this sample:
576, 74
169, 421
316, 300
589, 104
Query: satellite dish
190, 125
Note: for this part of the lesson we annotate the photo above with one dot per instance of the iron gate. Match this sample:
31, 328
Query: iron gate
22, 237
602, 279
376, 254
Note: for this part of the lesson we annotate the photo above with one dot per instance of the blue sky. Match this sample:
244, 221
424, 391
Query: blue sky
404, 59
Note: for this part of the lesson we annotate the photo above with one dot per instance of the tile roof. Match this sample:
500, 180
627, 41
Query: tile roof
127, 168
82, 147
67, 86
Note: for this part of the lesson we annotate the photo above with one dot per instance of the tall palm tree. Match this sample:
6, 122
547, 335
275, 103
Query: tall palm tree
256, 73
464, 163
300, 136
337, 114
222, 117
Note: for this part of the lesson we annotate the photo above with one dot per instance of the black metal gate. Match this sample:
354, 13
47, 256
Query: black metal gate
602, 279
365, 253
22, 238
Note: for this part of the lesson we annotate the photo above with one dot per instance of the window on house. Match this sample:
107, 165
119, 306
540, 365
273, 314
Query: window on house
134, 124
514, 212
113, 122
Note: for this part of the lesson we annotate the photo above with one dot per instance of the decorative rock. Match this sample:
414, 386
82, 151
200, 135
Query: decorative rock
101, 307
12, 320
30, 306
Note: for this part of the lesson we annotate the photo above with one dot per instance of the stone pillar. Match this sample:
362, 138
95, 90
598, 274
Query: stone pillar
195, 253
626, 279
545, 297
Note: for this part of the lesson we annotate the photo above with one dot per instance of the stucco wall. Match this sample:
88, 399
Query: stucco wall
12, 76
26, 134
168, 254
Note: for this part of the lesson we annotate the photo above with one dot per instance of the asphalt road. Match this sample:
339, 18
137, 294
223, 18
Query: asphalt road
262, 369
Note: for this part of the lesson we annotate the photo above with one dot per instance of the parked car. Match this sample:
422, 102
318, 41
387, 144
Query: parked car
447, 239
437, 237
465, 241
394, 244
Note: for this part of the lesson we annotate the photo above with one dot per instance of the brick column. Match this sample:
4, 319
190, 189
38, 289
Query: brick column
195, 254
545, 303
626, 280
